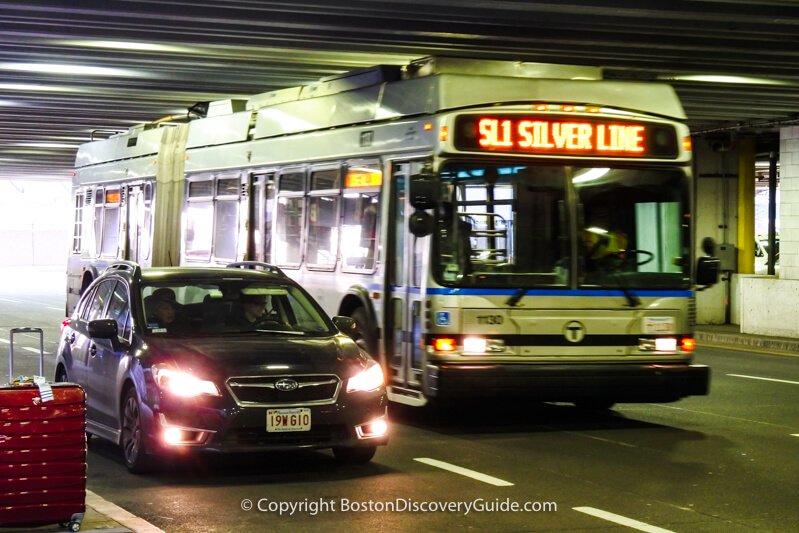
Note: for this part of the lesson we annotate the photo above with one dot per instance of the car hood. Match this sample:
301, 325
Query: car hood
260, 355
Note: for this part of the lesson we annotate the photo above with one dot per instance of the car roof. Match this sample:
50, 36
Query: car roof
150, 274
155, 274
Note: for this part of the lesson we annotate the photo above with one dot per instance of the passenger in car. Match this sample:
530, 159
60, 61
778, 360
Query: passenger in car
164, 312
163, 309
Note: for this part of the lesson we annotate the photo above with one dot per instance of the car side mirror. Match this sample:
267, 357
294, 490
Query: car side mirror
106, 328
103, 328
345, 324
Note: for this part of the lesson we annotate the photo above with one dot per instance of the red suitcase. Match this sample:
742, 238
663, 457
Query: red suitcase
42, 450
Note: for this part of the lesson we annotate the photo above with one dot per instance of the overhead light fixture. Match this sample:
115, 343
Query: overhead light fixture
73, 70
597, 230
590, 175
126, 45
45, 145
34, 87
716, 78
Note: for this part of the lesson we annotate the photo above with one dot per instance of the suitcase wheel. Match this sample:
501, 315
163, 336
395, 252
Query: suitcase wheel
71, 526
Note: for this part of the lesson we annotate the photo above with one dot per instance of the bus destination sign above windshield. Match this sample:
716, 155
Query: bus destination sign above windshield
572, 136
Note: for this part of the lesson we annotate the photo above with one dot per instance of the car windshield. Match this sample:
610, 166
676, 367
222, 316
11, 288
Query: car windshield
230, 306
558, 226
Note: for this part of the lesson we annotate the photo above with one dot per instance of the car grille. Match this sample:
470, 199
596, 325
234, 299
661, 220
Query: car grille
258, 437
263, 391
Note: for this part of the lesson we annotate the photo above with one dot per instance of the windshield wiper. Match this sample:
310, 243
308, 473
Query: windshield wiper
517, 296
632, 299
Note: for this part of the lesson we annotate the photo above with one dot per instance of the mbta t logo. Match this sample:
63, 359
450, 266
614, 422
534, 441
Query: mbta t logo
574, 331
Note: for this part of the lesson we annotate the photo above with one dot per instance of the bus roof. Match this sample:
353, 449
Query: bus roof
424, 87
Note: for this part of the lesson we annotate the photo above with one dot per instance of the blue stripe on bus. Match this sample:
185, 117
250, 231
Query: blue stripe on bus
444, 291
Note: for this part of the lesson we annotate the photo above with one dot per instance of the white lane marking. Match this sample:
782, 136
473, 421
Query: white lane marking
610, 441
764, 379
10, 300
5, 341
54, 308
632, 407
465, 472
118, 514
34, 350
794, 434
622, 520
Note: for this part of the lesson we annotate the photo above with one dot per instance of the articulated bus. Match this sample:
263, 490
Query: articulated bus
493, 228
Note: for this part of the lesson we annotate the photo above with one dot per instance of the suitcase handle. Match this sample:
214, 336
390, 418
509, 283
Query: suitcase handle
40, 331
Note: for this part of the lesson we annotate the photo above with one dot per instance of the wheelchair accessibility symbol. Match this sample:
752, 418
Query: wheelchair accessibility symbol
442, 318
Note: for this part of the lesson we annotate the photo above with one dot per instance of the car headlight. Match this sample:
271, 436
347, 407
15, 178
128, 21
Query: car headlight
182, 384
366, 380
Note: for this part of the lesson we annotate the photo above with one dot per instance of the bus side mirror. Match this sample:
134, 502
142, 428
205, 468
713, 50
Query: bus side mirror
709, 246
421, 223
423, 191
707, 271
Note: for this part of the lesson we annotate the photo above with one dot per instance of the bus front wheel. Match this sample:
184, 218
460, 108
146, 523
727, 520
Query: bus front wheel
364, 334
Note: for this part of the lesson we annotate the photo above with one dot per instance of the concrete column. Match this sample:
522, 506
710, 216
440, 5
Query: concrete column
746, 205
789, 202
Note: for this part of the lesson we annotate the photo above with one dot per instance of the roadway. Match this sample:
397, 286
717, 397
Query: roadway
725, 462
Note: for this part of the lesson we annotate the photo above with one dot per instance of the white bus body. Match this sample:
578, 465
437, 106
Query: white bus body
317, 180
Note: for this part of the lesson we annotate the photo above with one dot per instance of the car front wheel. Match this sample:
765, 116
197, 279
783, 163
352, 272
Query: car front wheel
133, 440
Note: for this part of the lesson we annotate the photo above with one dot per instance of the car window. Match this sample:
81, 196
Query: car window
231, 306
119, 310
81, 311
99, 300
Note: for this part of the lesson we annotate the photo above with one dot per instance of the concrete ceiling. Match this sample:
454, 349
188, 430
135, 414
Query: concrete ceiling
70, 67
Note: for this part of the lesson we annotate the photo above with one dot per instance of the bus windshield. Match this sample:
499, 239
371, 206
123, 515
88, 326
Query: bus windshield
562, 226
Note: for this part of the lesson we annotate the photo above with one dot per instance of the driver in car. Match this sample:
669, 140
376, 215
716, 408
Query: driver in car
252, 313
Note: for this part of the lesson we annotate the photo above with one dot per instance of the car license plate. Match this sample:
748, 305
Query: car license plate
284, 420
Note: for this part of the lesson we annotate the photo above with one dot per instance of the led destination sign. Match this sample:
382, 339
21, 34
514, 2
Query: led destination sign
575, 136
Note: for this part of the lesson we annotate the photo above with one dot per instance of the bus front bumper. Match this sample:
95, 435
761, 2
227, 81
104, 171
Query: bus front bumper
630, 383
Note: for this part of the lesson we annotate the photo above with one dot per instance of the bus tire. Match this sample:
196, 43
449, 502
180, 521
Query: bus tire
364, 334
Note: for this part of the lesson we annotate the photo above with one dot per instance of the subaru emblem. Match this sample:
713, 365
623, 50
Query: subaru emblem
286, 385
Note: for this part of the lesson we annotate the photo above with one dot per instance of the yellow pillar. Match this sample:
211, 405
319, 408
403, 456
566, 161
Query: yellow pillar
746, 205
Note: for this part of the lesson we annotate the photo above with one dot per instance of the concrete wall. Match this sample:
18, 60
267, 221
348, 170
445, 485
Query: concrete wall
35, 223
716, 174
769, 304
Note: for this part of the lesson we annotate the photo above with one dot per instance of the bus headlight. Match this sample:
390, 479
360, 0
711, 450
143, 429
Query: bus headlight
474, 345
366, 380
665, 344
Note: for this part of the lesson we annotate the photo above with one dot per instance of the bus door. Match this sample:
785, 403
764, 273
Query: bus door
135, 223
406, 307
259, 247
